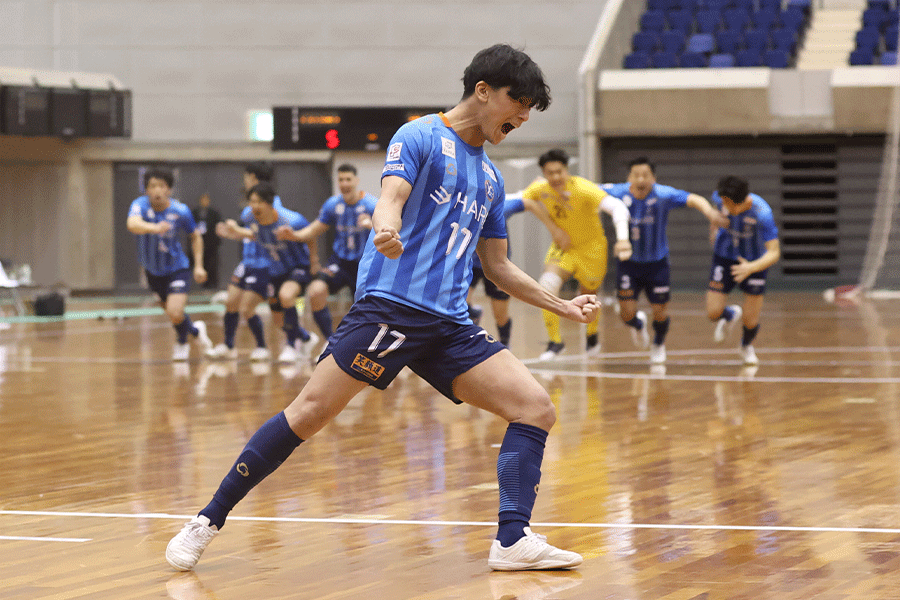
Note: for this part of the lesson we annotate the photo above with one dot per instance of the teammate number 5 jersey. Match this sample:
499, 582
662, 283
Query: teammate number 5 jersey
747, 232
457, 196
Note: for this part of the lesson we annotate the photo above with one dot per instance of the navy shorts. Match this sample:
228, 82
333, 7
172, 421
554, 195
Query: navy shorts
379, 337
252, 279
721, 280
652, 278
339, 273
178, 282
301, 276
490, 289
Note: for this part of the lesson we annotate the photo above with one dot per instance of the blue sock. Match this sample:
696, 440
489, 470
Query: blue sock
256, 326
660, 329
518, 473
323, 320
727, 314
230, 322
504, 331
184, 328
749, 335
635, 322
267, 449
291, 325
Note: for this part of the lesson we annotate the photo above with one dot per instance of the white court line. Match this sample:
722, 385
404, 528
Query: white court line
755, 378
357, 521
576, 358
18, 538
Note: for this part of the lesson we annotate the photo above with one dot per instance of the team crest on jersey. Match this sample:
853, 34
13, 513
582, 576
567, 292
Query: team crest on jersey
394, 151
448, 148
339, 209
150, 213
487, 169
367, 367
451, 168
626, 199
489, 190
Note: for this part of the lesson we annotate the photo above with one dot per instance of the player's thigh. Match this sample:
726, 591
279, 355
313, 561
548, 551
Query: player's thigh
175, 304
504, 386
249, 301
752, 308
589, 271
288, 293
715, 304
327, 392
233, 299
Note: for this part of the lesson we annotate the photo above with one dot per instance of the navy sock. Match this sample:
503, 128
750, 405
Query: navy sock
291, 325
184, 328
504, 331
518, 473
267, 449
749, 335
256, 326
727, 314
323, 320
635, 322
230, 322
660, 329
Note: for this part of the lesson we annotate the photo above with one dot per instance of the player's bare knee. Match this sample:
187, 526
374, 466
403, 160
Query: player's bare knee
714, 313
540, 411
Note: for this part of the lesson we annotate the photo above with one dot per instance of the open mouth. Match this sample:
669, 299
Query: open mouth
506, 128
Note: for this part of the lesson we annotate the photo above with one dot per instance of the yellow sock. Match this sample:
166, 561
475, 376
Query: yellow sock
593, 326
551, 321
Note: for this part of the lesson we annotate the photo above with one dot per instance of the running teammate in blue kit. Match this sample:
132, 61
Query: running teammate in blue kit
441, 198
648, 268
742, 254
156, 220
350, 213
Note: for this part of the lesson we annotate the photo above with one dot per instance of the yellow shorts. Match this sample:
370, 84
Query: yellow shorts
588, 268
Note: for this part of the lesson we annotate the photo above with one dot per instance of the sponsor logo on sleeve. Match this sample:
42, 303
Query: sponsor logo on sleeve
394, 167
394, 151
367, 367
487, 169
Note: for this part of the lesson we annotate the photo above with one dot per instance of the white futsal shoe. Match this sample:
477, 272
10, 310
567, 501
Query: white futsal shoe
185, 548
748, 355
305, 349
288, 355
530, 553
260, 354
552, 351
723, 327
202, 337
641, 337
657, 354
181, 352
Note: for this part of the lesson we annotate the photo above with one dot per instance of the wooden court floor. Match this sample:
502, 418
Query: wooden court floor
703, 480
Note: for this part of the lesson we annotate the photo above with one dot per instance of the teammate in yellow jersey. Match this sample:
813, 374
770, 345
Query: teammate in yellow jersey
569, 206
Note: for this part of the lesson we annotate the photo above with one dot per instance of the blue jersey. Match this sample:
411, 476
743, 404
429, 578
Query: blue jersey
163, 254
246, 216
511, 206
452, 203
266, 251
349, 238
649, 217
747, 232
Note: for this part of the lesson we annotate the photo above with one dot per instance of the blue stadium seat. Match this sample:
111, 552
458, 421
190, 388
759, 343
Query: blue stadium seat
682, 20
868, 40
664, 60
737, 18
889, 58
881, 4
893, 18
748, 58
645, 41
729, 40
703, 43
784, 39
693, 60
804, 5
769, 4
708, 21
756, 40
661, 4
765, 18
874, 18
672, 41
637, 60
890, 38
653, 20
793, 18
861, 57
777, 59
721, 61
748, 5
719, 5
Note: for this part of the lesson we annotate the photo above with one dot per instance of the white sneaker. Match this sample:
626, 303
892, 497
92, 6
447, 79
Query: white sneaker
723, 327
657, 354
305, 349
288, 355
749, 355
532, 552
181, 352
260, 354
641, 337
202, 336
552, 351
222, 351
184, 549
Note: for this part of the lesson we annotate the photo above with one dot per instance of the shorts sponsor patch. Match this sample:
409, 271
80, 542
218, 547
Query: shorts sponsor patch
367, 367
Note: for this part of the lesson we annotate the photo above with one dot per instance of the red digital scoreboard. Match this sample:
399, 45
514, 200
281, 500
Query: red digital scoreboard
340, 128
